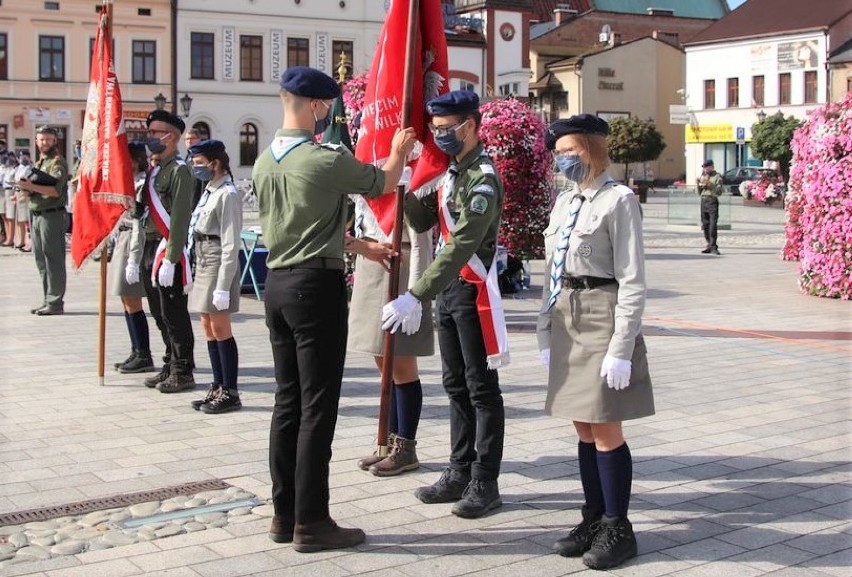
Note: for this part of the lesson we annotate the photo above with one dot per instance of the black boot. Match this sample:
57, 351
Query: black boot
212, 391
152, 382
132, 356
226, 401
141, 363
180, 379
479, 497
614, 544
447, 489
580, 539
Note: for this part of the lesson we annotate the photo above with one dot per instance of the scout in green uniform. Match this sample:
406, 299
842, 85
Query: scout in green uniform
47, 207
473, 196
710, 188
302, 190
166, 204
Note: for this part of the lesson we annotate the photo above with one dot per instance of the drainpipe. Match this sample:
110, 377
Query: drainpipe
577, 69
174, 55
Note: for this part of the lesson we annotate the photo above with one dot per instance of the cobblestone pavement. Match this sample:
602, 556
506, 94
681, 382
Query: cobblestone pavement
744, 470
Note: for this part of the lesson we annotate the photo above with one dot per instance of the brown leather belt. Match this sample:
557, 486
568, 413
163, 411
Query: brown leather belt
586, 282
202, 237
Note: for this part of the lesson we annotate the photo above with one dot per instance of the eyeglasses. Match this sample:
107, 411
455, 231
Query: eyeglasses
445, 130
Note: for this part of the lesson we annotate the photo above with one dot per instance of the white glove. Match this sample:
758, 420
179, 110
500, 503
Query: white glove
544, 355
617, 372
131, 273
166, 274
404, 311
221, 299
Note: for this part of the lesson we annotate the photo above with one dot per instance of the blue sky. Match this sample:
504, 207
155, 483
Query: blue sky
734, 3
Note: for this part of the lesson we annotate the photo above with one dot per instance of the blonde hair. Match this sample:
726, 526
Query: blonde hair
596, 147
293, 102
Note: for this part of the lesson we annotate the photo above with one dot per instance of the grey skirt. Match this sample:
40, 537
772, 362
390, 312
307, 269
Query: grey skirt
582, 324
208, 257
117, 284
369, 295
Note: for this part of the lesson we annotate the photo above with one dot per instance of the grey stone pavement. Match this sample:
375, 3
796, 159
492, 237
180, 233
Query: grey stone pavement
743, 471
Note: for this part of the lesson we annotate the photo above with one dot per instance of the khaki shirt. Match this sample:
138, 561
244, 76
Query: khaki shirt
220, 214
710, 185
56, 167
303, 197
606, 242
175, 184
476, 205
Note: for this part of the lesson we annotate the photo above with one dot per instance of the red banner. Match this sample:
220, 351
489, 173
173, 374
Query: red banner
105, 188
382, 111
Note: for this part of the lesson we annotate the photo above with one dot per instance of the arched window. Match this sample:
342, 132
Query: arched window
203, 130
248, 144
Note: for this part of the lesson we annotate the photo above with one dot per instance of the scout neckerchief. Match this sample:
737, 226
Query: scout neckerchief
489, 303
162, 221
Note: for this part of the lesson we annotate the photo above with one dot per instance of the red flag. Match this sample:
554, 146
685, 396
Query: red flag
382, 111
105, 189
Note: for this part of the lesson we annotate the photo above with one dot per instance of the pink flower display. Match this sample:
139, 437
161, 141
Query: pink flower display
818, 227
353, 97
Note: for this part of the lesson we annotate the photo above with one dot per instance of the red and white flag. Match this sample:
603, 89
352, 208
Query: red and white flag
105, 188
382, 111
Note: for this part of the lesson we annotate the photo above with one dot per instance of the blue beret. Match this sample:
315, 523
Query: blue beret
208, 148
453, 103
577, 124
167, 117
708, 162
309, 82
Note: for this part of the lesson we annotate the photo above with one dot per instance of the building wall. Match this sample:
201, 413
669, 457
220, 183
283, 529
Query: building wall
26, 102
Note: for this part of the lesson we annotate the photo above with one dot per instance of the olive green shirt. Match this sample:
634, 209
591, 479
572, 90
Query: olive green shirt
476, 205
302, 196
56, 167
710, 185
175, 184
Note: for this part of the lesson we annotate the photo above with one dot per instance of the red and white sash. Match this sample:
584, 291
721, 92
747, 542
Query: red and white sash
489, 302
157, 212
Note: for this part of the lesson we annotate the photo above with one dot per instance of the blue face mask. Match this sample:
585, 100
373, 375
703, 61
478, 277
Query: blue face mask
203, 172
155, 145
449, 143
322, 123
572, 167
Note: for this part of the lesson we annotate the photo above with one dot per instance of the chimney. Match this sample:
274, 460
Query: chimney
615, 39
563, 13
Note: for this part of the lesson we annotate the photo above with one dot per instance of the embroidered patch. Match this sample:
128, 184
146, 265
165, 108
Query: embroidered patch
486, 169
585, 250
479, 204
484, 189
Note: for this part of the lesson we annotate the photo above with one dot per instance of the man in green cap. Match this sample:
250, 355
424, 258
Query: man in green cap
302, 189
47, 210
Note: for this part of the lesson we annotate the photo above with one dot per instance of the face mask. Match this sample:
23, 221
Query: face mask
203, 172
154, 146
322, 124
572, 167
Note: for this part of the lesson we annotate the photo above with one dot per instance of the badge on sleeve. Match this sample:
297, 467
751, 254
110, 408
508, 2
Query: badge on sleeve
479, 204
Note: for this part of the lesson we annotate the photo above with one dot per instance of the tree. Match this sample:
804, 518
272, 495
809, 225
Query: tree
770, 140
634, 140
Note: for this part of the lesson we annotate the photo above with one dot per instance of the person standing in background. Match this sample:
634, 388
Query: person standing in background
710, 188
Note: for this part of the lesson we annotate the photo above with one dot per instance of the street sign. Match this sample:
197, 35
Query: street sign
678, 114
740, 135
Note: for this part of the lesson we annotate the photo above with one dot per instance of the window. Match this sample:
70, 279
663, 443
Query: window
4, 57
709, 94
465, 85
733, 92
251, 58
757, 91
201, 55
346, 47
144, 62
248, 144
810, 86
509, 88
51, 58
144, 11
203, 130
298, 52
51, 5
784, 86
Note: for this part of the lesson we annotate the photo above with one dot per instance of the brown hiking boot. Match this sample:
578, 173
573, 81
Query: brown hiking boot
364, 463
323, 535
281, 529
403, 458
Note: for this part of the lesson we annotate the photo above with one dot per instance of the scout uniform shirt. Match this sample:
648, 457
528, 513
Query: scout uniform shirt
56, 167
220, 213
710, 185
476, 205
302, 189
175, 184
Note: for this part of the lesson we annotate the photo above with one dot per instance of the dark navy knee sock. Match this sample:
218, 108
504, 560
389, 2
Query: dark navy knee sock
409, 402
131, 331
230, 363
616, 470
140, 326
588, 457
215, 361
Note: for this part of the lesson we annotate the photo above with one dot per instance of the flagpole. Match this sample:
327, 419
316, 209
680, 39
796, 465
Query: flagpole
107, 5
393, 282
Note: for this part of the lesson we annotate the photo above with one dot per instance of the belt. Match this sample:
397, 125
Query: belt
46, 211
202, 237
122, 228
153, 236
586, 282
319, 262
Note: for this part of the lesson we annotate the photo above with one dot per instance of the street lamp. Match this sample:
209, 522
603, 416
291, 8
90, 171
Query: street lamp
160, 101
761, 116
185, 104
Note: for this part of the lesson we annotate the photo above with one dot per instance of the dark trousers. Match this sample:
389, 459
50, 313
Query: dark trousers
306, 312
709, 219
477, 419
169, 308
